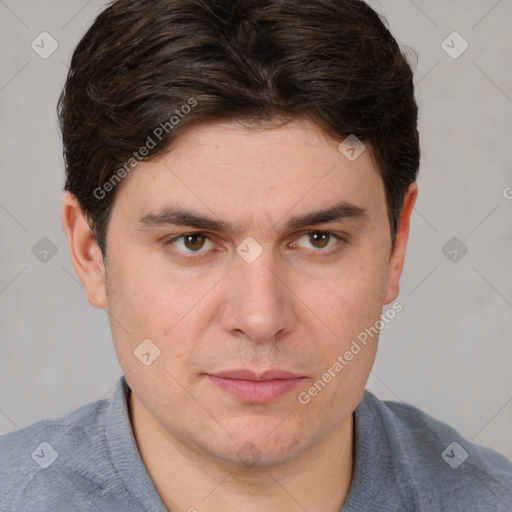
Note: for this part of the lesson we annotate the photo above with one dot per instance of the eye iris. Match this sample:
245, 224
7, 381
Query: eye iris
194, 242
319, 240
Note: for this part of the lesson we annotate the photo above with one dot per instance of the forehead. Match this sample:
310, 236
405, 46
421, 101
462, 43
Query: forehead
254, 174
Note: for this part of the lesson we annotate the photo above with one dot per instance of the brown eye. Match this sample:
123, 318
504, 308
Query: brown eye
194, 242
319, 239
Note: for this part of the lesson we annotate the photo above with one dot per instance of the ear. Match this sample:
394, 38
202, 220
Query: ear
396, 262
84, 251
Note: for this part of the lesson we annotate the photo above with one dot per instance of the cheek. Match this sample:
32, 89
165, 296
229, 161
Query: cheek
350, 298
147, 301
147, 313
350, 307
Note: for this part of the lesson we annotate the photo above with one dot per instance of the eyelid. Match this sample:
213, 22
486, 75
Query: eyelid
340, 238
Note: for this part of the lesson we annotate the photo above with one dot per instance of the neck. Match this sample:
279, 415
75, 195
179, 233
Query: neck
189, 480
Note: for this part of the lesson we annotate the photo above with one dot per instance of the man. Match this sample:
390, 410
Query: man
240, 177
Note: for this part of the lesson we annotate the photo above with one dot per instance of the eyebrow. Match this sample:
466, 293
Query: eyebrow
182, 217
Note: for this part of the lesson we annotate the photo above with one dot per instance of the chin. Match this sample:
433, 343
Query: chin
259, 446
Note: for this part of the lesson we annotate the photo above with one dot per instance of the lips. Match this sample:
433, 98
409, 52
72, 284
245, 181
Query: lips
251, 387
250, 375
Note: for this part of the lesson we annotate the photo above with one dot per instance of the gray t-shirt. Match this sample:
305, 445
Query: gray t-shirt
404, 461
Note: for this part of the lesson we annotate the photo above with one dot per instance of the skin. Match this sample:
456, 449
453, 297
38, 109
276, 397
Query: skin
297, 307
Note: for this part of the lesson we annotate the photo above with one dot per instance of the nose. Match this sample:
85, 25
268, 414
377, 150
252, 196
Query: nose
259, 305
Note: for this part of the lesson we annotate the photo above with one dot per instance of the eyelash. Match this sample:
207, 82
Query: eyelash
195, 255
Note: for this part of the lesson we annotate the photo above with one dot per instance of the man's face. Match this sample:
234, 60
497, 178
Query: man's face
291, 298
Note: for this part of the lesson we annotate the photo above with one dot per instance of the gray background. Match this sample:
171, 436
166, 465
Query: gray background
448, 351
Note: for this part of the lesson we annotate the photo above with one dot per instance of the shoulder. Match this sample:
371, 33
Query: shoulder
50, 451
439, 463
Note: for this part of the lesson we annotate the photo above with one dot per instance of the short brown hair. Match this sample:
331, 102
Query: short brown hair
143, 61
